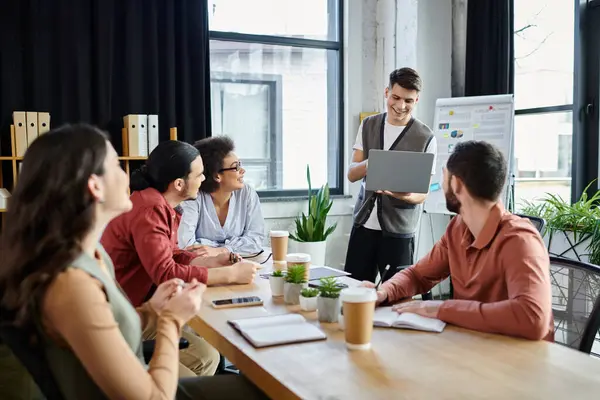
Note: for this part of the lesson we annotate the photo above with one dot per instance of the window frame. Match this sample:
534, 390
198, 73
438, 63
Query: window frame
275, 116
554, 109
335, 98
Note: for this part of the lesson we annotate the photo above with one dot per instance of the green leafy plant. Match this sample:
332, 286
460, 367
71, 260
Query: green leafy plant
277, 273
309, 292
295, 274
582, 218
311, 227
330, 288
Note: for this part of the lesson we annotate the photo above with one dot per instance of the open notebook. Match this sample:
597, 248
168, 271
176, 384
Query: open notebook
385, 317
277, 329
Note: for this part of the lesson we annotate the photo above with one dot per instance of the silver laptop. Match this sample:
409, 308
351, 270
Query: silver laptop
399, 171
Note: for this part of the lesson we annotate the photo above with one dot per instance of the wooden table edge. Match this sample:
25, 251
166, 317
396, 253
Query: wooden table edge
257, 375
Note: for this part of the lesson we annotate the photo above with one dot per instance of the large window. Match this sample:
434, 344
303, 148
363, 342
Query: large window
276, 90
544, 60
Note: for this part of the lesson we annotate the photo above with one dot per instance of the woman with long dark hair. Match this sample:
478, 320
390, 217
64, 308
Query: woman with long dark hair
60, 283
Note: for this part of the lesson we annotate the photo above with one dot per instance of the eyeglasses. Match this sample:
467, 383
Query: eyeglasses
237, 167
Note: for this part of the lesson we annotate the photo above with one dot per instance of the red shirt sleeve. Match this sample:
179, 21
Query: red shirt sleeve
528, 310
424, 275
152, 240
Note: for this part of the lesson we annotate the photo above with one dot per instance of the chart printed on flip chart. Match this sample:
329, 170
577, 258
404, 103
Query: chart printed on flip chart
488, 118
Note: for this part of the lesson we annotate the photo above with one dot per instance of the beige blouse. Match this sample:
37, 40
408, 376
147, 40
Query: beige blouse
77, 315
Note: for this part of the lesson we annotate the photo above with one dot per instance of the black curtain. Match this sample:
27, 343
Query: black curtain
98, 60
490, 48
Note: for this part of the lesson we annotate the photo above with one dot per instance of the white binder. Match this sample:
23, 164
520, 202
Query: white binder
20, 123
152, 132
43, 122
32, 126
137, 130
4, 196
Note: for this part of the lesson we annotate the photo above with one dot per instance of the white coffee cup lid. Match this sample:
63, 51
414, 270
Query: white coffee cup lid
280, 234
358, 295
298, 258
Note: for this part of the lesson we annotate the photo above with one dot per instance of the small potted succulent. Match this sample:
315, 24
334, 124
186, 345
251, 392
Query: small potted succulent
308, 299
276, 282
294, 283
328, 302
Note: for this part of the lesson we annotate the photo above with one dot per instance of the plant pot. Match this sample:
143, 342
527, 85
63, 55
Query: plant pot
308, 303
568, 244
317, 251
276, 283
291, 292
328, 309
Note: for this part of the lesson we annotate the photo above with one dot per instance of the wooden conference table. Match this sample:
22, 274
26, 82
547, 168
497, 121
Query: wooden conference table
402, 364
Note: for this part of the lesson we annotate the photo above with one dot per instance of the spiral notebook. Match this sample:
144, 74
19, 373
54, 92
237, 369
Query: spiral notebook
277, 330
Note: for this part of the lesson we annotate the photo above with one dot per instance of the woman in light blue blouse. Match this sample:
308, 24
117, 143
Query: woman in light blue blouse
226, 216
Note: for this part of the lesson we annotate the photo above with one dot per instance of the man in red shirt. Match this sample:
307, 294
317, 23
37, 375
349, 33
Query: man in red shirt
497, 261
143, 242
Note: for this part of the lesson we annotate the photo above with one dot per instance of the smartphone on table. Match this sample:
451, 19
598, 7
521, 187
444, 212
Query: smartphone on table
237, 302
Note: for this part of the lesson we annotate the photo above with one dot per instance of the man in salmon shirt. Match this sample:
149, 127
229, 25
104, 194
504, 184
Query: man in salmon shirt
143, 242
497, 261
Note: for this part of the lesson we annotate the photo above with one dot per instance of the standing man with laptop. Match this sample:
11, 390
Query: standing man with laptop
385, 222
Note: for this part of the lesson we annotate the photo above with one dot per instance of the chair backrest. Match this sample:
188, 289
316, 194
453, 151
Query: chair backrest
32, 359
576, 304
538, 222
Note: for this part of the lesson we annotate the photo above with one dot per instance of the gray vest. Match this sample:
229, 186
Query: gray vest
397, 218
71, 376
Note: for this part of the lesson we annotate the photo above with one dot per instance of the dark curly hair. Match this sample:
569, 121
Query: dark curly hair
50, 212
213, 151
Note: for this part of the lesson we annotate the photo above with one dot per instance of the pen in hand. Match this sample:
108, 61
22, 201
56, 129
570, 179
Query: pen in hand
381, 276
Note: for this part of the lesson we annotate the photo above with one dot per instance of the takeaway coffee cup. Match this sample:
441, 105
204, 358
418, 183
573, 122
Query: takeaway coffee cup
358, 308
279, 244
300, 259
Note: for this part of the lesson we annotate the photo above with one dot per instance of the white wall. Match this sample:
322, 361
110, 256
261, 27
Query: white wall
379, 37
434, 63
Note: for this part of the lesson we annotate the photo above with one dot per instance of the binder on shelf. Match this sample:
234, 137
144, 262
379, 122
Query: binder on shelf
4, 196
20, 123
152, 132
32, 126
43, 122
137, 132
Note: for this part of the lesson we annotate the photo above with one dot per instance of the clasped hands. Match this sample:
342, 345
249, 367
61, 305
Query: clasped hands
181, 299
426, 308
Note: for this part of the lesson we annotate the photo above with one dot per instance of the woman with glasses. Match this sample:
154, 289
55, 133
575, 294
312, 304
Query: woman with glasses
226, 216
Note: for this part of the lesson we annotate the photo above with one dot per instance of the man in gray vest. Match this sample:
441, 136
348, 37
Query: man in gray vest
385, 223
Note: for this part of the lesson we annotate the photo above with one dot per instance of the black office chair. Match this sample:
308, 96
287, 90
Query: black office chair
538, 222
576, 304
226, 367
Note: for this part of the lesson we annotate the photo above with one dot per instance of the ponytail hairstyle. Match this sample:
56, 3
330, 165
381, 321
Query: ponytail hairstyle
169, 161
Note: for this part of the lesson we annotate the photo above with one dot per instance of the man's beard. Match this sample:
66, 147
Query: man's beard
452, 202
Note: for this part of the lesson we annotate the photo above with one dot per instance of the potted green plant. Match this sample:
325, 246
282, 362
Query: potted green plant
308, 299
328, 302
294, 282
276, 282
572, 230
311, 230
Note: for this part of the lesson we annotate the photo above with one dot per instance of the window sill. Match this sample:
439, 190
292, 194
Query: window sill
299, 198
